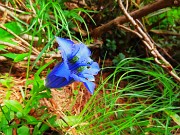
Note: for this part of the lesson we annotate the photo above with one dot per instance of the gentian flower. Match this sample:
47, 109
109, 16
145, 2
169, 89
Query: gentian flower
76, 65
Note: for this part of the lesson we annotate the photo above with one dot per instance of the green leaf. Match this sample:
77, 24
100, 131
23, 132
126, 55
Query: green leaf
5, 36
36, 129
70, 120
174, 116
7, 114
31, 120
44, 127
13, 105
23, 130
43, 95
7, 82
52, 122
4, 121
9, 55
2, 48
13, 26
8, 131
15, 57
8, 40
20, 57
43, 67
19, 115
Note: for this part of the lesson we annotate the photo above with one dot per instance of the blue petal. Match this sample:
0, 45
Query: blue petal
88, 72
93, 69
83, 51
88, 76
56, 82
65, 46
89, 85
84, 61
61, 70
59, 76
83, 55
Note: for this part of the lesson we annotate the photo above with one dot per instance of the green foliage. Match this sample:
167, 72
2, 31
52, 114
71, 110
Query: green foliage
174, 116
171, 16
5, 36
53, 15
6, 81
165, 20
12, 109
71, 120
13, 105
118, 58
16, 57
111, 45
132, 101
23, 130
16, 27
2, 48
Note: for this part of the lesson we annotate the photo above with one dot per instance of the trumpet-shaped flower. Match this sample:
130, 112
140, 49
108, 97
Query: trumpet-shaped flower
76, 65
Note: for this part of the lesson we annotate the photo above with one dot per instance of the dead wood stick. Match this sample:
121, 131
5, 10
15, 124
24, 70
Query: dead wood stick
4, 15
164, 32
12, 46
159, 59
13, 14
34, 57
34, 50
159, 4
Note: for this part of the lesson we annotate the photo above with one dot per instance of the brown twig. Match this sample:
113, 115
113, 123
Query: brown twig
159, 59
34, 50
30, 37
127, 4
34, 57
164, 32
13, 14
11, 8
12, 46
4, 15
159, 4
129, 30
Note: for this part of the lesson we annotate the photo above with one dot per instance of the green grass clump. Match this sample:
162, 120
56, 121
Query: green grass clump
147, 103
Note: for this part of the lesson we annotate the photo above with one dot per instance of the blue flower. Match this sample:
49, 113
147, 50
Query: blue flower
76, 65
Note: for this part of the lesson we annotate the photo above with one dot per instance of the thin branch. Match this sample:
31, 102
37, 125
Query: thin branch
12, 14
4, 15
14, 9
136, 33
128, 29
34, 57
159, 4
126, 4
34, 50
30, 37
159, 59
164, 32
12, 46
